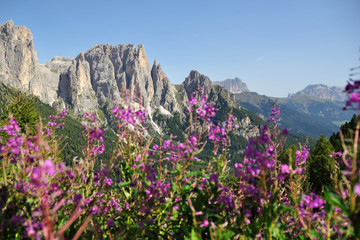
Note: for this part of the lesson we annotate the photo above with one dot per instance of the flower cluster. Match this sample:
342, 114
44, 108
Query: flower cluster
202, 108
352, 89
164, 188
94, 134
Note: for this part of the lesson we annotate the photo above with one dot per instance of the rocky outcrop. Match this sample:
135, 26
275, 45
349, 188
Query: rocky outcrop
164, 91
96, 78
75, 87
247, 129
198, 82
88, 82
109, 70
115, 69
19, 66
194, 83
59, 64
323, 92
234, 85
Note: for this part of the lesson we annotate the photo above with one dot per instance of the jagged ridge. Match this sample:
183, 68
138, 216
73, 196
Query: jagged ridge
95, 78
323, 92
234, 85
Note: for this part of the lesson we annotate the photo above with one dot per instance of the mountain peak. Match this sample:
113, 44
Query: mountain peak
323, 91
234, 85
17, 41
10, 23
194, 74
196, 81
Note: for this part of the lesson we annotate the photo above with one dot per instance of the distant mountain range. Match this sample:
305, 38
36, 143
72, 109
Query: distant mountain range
323, 92
301, 114
315, 110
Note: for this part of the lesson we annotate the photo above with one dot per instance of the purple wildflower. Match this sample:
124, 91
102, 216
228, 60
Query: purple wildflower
357, 189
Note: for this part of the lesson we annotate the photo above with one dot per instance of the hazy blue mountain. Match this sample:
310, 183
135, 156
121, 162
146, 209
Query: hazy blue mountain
323, 92
301, 113
234, 85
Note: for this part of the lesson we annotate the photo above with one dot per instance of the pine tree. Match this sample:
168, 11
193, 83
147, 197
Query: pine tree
321, 167
347, 130
23, 109
287, 154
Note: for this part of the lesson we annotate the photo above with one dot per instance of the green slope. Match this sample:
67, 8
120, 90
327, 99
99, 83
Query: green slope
72, 140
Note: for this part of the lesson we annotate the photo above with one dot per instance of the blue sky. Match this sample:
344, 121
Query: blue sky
275, 47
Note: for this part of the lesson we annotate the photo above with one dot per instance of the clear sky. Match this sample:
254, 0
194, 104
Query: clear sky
275, 46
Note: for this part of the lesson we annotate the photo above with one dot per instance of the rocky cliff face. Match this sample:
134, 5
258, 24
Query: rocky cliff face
193, 83
89, 81
19, 65
197, 81
96, 78
164, 91
234, 85
17, 55
99, 75
323, 92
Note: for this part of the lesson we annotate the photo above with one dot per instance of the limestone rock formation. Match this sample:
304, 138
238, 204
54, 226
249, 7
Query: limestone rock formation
193, 83
75, 86
164, 91
234, 85
115, 69
96, 78
59, 64
197, 81
88, 82
247, 129
17, 55
19, 66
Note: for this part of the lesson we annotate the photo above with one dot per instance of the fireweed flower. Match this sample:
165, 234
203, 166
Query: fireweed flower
129, 115
357, 189
352, 86
285, 169
193, 140
39, 175
205, 223
15, 144
285, 132
237, 203
312, 201
301, 156
275, 113
192, 101
13, 129
213, 178
354, 99
95, 135
56, 121
49, 168
352, 89
108, 181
